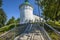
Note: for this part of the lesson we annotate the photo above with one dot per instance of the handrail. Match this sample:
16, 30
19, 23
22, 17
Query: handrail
29, 26
57, 32
45, 33
26, 30
6, 32
11, 34
46, 36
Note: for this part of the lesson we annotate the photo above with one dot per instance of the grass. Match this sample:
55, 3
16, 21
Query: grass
51, 33
54, 36
11, 35
6, 28
55, 24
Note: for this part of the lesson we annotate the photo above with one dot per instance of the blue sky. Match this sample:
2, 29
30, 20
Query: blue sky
11, 7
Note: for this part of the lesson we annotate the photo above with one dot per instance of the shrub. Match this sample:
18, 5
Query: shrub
6, 28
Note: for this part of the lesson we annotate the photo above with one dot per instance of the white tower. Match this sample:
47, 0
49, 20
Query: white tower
26, 12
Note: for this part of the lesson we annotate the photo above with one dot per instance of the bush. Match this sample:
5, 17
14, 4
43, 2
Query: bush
6, 28
51, 33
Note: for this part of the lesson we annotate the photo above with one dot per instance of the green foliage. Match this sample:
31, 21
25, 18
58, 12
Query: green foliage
51, 8
55, 25
12, 20
0, 3
6, 28
26, 0
17, 20
3, 17
13, 33
51, 33
54, 36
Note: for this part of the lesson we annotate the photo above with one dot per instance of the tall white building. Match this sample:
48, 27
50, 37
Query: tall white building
26, 13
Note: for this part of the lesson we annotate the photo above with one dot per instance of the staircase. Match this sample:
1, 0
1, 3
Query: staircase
33, 32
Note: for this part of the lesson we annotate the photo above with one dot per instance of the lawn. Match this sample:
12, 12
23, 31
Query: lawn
12, 33
51, 33
55, 24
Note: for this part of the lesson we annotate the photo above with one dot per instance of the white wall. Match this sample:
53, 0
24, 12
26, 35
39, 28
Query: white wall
26, 14
37, 18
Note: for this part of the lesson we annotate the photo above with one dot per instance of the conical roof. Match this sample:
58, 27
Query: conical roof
26, 3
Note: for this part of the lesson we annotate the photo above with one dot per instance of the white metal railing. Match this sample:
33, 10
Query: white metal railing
44, 33
11, 34
28, 28
57, 32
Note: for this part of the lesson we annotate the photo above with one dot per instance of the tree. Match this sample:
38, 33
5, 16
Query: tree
0, 3
3, 16
18, 20
57, 13
12, 20
51, 8
26, 0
